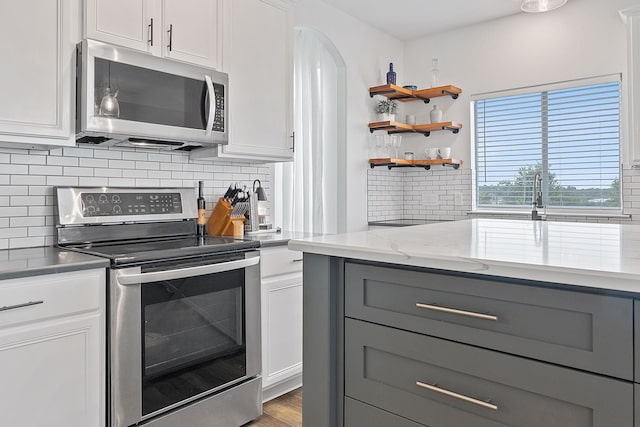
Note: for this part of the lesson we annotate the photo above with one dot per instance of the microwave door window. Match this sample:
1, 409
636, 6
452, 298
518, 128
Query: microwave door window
193, 337
149, 96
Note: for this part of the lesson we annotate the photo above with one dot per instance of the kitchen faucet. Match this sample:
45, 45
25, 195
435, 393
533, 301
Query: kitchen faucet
536, 196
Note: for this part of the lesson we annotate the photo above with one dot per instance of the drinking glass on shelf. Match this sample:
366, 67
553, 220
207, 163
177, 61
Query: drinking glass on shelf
396, 140
382, 145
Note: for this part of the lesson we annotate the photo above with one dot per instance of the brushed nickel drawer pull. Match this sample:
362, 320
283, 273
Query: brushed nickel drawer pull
297, 260
26, 304
433, 387
456, 311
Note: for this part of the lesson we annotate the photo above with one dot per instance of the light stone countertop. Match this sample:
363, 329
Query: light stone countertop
603, 256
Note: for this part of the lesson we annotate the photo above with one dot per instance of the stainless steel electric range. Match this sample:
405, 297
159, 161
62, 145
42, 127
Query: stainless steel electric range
183, 310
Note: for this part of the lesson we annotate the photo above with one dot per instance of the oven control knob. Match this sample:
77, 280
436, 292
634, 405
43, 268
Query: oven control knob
102, 198
90, 198
91, 209
115, 198
117, 209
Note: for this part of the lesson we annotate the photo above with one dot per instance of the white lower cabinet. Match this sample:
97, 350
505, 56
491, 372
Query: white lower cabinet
281, 321
52, 350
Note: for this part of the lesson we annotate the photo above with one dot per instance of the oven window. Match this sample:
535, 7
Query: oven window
193, 337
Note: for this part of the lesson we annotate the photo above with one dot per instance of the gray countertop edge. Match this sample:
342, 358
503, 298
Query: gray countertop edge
28, 262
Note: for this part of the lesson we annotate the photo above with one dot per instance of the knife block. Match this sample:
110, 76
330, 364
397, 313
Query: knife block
220, 223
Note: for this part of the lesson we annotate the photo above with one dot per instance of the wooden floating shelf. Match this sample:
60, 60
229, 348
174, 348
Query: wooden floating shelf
402, 163
425, 129
404, 95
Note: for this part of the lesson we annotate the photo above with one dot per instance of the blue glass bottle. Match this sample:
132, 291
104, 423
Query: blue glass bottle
391, 75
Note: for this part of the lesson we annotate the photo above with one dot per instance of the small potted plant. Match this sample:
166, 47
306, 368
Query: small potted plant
387, 109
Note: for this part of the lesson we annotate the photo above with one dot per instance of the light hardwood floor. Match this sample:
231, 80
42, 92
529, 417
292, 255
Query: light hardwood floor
285, 411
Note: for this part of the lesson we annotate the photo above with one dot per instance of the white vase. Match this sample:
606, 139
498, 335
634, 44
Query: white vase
436, 115
387, 117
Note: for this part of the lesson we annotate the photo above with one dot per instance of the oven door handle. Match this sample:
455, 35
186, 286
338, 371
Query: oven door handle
158, 276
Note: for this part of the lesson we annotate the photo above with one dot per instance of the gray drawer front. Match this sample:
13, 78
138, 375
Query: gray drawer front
383, 364
358, 414
585, 331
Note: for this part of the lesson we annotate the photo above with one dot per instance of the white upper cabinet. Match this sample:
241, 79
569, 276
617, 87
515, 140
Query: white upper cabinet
128, 23
257, 46
631, 17
184, 30
38, 48
191, 31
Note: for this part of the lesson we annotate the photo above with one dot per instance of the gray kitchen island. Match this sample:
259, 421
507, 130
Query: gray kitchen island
473, 323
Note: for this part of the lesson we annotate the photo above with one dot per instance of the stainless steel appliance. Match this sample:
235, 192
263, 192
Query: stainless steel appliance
131, 98
184, 310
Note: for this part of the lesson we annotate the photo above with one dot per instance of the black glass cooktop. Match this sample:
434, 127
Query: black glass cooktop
128, 252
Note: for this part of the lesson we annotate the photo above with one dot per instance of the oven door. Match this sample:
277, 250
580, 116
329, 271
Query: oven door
181, 331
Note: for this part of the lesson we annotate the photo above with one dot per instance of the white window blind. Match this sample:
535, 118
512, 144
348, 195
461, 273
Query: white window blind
570, 134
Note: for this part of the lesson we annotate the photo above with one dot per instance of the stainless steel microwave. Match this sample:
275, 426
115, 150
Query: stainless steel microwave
131, 98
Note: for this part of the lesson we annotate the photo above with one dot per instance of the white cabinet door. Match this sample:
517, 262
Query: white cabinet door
129, 23
258, 57
631, 17
281, 272
281, 328
191, 31
52, 350
38, 46
51, 374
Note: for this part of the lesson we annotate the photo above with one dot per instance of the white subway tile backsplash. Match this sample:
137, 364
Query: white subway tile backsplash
133, 155
107, 154
27, 221
26, 242
12, 211
45, 170
62, 161
116, 173
73, 171
15, 169
16, 190
28, 159
27, 200
63, 180
28, 180
77, 152
94, 163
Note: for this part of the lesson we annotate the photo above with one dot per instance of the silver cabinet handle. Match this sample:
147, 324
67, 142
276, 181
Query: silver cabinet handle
434, 387
297, 260
150, 29
456, 311
212, 105
26, 304
170, 31
157, 276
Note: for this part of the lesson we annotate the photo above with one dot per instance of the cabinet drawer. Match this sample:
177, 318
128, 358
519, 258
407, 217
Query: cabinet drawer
358, 414
279, 260
585, 331
442, 383
40, 297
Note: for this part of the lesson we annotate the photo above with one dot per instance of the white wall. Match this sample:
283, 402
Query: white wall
366, 52
585, 38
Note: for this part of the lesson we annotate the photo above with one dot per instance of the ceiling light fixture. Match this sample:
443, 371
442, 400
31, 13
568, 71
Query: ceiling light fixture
536, 6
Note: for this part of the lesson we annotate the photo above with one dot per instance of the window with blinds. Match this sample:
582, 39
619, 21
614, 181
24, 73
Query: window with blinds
570, 134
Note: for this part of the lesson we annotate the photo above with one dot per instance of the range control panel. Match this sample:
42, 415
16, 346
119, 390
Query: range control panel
116, 204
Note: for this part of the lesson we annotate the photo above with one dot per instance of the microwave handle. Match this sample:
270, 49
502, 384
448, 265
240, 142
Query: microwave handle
180, 273
212, 105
